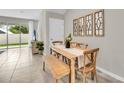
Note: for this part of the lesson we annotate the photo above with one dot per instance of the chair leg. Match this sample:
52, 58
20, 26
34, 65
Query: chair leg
67, 61
68, 79
84, 78
56, 80
57, 55
92, 75
63, 59
75, 74
43, 66
95, 75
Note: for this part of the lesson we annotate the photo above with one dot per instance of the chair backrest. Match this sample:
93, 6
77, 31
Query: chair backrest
78, 45
81, 45
91, 55
57, 42
73, 44
85, 46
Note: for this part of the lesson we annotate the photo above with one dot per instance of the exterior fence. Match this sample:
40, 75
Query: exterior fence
13, 38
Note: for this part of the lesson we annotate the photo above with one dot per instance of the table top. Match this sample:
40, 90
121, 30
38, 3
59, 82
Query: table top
67, 52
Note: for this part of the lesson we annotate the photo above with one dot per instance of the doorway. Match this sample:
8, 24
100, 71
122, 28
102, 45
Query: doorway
13, 36
56, 30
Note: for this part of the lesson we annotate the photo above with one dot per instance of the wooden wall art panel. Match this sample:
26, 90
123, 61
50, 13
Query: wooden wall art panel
81, 26
99, 23
89, 25
75, 27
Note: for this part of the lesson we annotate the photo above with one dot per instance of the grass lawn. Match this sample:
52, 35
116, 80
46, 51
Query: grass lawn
12, 45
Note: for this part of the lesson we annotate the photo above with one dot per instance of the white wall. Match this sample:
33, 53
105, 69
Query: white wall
31, 29
39, 26
43, 30
111, 46
45, 26
48, 16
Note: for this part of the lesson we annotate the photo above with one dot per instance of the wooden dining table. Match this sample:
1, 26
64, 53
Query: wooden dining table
68, 53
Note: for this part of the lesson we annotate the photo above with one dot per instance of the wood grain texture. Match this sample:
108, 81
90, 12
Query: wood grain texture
57, 67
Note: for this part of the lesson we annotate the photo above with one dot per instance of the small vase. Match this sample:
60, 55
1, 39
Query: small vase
67, 45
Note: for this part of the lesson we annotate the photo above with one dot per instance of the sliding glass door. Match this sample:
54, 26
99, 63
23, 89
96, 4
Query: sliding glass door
3, 36
13, 36
24, 35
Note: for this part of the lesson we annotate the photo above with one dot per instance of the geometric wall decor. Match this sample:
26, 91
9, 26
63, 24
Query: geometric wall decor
81, 26
75, 27
89, 25
99, 23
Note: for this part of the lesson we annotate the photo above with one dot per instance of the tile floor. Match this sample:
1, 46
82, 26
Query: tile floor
20, 66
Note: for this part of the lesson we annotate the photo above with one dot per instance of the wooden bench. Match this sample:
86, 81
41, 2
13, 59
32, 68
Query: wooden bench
57, 67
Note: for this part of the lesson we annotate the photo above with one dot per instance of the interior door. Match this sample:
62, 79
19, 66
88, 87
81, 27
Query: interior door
56, 30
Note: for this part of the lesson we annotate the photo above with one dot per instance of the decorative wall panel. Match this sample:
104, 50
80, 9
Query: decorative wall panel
99, 23
89, 25
81, 26
75, 27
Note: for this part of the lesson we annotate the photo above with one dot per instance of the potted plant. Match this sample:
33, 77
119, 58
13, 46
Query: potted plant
40, 46
67, 41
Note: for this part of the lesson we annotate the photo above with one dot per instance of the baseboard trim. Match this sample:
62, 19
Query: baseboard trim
110, 74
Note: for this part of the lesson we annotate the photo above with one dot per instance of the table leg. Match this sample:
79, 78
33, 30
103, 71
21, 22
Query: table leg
69, 63
72, 74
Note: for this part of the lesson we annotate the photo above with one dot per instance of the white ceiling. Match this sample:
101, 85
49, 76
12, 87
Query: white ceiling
28, 13
21, 13
59, 11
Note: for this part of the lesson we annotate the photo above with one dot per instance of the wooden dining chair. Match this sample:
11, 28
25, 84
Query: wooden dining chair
82, 45
78, 45
73, 44
57, 43
89, 63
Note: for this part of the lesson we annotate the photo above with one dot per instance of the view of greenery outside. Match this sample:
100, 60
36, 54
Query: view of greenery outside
15, 44
16, 29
